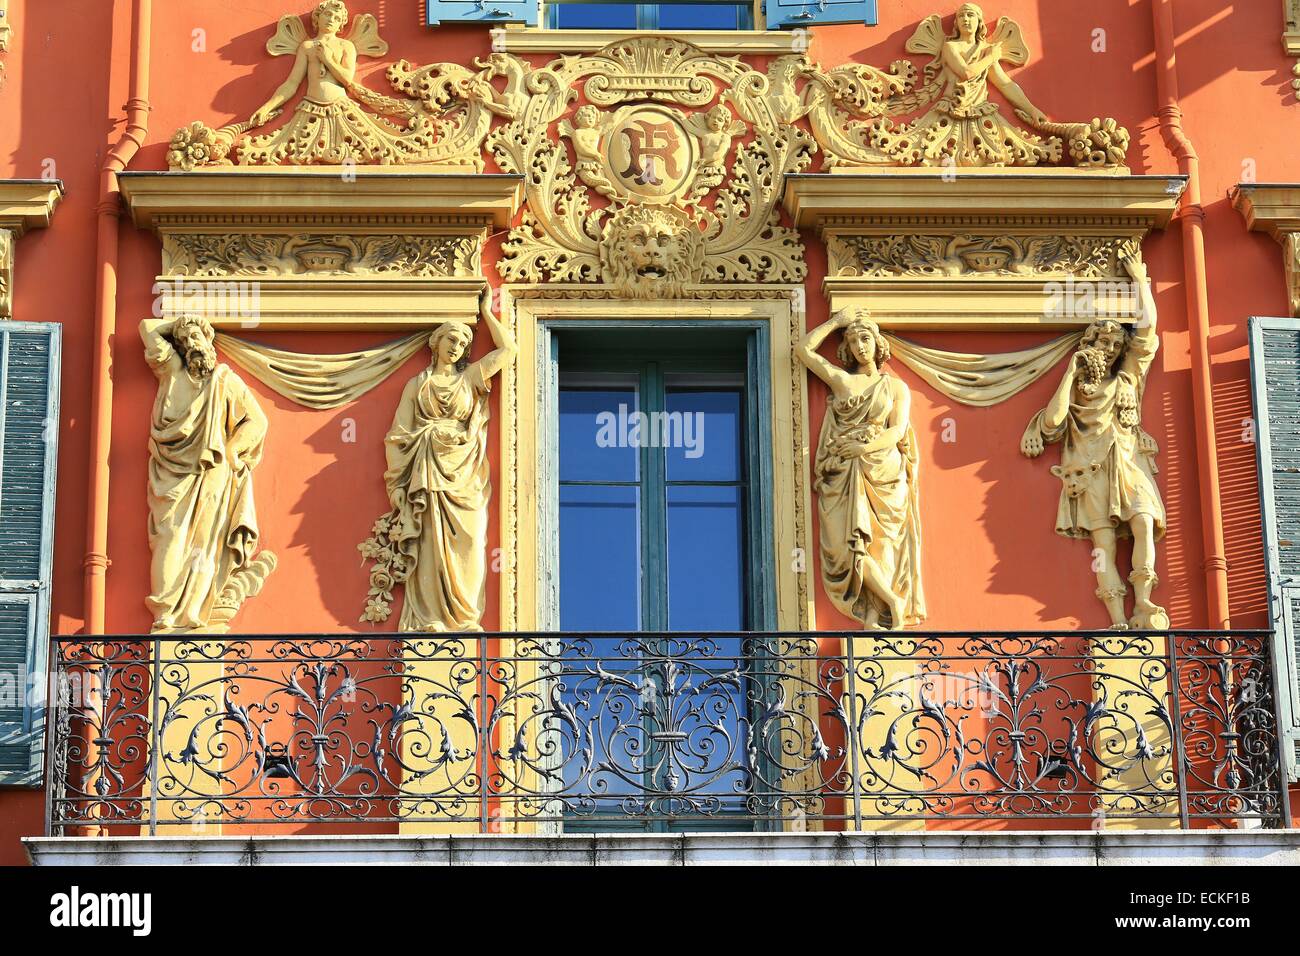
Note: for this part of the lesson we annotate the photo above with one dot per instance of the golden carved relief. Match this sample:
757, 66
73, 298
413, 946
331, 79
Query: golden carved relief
1108, 465
678, 216
433, 543
205, 439
858, 112
299, 253
441, 118
922, 255
866, 479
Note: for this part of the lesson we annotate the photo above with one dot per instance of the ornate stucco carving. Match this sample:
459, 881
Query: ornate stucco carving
916, 254
692, 192
440, 116
859, 113
1108, 463
286, 254
206, 437
652, 122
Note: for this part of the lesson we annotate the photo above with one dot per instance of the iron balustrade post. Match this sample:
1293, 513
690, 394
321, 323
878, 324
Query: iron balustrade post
1175, 710
852, 735
1279, 736
482, 734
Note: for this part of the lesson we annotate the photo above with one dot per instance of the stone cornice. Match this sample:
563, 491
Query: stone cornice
288, 191
723, 42
1273, 208
28, 203
813, 199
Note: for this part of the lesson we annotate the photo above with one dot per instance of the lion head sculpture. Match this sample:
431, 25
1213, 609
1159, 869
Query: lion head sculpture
651, 252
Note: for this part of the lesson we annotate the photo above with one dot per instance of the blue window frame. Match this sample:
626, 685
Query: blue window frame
660, 524
585, 15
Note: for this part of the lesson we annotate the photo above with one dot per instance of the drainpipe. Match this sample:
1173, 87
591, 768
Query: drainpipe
101, 404
1192, 218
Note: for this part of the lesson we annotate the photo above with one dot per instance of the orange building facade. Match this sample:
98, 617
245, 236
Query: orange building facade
967, 227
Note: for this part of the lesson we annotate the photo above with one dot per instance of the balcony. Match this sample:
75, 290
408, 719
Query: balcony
523, 735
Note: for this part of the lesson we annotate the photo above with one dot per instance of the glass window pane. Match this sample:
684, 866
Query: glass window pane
706, 586
594, 436
600, 558
703, 16
704, 435
594, 16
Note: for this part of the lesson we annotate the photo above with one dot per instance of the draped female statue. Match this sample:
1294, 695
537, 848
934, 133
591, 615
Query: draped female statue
433, 542
865, 475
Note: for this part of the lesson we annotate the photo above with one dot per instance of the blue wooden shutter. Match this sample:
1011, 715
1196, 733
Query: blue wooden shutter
1275, 375
486, 11
29, 416
785, 14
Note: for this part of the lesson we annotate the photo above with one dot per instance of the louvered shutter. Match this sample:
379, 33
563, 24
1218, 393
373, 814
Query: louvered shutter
29, 414
788, 14
1275, 376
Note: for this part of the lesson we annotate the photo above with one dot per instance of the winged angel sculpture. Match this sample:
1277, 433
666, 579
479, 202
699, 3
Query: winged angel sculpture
859, 114
443, 118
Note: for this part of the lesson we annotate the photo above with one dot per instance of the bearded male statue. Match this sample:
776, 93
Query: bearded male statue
1108, 467
205, 439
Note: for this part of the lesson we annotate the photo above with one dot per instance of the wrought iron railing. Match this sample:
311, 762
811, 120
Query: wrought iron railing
546, 732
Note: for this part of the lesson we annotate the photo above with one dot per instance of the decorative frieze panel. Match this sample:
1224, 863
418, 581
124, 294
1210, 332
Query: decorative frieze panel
328, 254
977, 254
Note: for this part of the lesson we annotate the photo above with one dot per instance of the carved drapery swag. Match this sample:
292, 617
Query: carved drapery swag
320, 381
652, 167
982, 380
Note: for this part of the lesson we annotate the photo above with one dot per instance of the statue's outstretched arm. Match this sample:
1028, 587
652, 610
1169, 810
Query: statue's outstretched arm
808, 354
286, 90
506, 349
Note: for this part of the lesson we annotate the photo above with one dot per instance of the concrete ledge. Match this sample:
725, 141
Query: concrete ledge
1182, 848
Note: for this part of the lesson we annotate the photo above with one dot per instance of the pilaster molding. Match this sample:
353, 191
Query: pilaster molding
978, 250
305, 249
24, 204
1274, 208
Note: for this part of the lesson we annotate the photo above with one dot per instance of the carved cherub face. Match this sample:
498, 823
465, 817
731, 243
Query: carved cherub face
718, 118
194, 340
970, 21
1076, 479
329, 17
587, 117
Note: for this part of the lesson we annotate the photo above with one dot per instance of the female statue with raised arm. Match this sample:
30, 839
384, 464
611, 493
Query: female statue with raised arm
865, 476
434, 541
